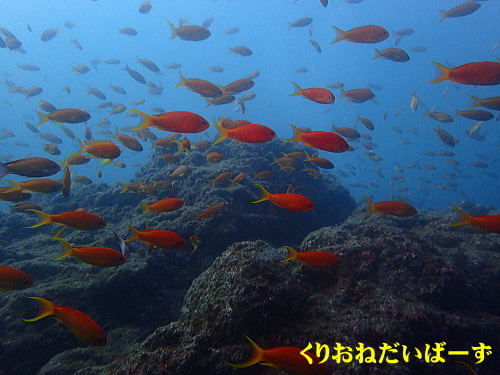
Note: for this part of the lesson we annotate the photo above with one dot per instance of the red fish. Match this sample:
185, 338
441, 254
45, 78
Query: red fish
286, 358
291, 202
249, 133
319, 259
211, 212
393, 208
483, 73
318, 95
163, 205
362, 34
487, 223
157, 237
68, 115
177, 121
80, 220
14, 279
326, 141
96, 256
80, 324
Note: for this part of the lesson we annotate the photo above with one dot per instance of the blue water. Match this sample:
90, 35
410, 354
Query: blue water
277, 53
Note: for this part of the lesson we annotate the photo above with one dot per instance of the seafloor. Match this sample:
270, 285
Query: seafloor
412, 281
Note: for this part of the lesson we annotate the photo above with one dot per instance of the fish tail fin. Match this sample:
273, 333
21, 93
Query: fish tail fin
222, 133
477, 102
4, 170
125, 188
465, 218
340, 35
42, 118
173, 28
230, 50
182, 81
146, 120
67, 249
256, 357
371, 206
308, 158
265, 194
444, 15
134, 235
298, 90
292, 254
83, 147
15, 186
209, 102
377, 54
145, 207
343, 93
443, 73
458, 113
46, 308
44, 218
297, 134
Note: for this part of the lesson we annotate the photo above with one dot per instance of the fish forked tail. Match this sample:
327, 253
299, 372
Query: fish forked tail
292, 254
173, 28
444, 15
46, 308
443, 73
4, 170
371, 206
222, 133
340, 35
256, 357
42, 118
67, 249
145, 207
44, 218
265, 194
182, 81
296, 135
134, 235
476, 103
298, 90
146, 120
464, 218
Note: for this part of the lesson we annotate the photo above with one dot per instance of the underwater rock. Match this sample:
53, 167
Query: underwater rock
394, 285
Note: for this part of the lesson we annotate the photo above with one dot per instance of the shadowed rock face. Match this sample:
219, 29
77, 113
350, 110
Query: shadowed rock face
132, 300
393, 285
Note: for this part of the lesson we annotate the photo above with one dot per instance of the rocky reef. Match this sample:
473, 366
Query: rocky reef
132, 300
395, 285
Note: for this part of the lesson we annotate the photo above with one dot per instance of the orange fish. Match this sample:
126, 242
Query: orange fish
362, 34
177, 121
287, 359
326, 141
200, 86
100, 149
73, 219
157, 237
195, 241
192, 33
163, 205
250, 133
320, 162
483, 73
291, 202
318, 95
96, 256
211, 212
68, 115
393, 208
14, 279
487, 223
30, 167
40, 185
319, 259
80, 324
